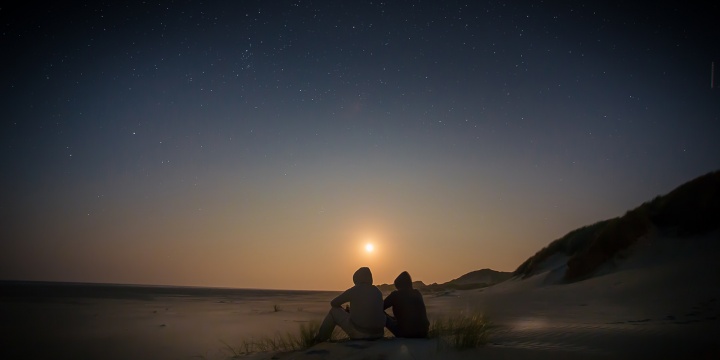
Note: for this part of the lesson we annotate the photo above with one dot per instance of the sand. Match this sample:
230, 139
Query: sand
662, 300
161, 328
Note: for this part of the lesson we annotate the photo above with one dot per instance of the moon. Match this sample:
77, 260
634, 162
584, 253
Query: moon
369, 247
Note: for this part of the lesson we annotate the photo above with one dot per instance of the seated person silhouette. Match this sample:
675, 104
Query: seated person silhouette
366, 320
409, 318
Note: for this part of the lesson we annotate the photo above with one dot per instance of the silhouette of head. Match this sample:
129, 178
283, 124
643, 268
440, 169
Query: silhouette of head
403, 281
363, 276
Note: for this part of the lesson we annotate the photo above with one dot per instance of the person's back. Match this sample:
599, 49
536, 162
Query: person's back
365, 303
408, 309
366, 319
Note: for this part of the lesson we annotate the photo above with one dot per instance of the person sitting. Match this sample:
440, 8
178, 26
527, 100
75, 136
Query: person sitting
366, 320
410, 316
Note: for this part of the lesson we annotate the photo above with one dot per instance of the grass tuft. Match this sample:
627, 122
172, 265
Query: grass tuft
290, 341
460, 331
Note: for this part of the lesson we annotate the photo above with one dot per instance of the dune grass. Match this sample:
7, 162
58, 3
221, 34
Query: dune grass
618, 234
290, 341
570, 244
690, 209
460, 331
452, 332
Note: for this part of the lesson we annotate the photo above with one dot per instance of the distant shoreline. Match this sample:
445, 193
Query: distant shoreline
54, 289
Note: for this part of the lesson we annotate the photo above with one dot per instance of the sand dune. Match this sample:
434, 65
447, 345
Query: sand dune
660, 299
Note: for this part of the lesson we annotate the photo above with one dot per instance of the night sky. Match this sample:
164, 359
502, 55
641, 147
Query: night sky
261, 144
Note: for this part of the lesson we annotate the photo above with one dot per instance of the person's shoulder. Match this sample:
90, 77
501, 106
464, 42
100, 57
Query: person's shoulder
350, 290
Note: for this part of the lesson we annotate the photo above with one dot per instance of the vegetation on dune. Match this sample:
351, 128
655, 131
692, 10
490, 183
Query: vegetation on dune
616, 235
569, 244
303, 339
461, 331
691, 209
458, 332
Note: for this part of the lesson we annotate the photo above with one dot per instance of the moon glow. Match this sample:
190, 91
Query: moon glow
369, 247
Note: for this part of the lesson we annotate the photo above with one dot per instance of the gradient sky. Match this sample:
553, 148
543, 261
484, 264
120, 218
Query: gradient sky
261, 144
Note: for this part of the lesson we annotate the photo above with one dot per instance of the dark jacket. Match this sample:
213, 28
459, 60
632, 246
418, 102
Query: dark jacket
408, 308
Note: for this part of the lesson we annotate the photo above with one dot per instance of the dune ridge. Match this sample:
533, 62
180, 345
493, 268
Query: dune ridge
691, 209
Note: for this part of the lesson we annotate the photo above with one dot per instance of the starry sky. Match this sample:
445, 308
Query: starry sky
261, 144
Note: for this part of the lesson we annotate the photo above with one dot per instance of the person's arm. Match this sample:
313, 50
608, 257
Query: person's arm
341, 299
419, 295
388, 302
423, 311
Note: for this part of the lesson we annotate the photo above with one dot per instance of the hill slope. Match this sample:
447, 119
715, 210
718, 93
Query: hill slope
691, 209
484, 276
472, 280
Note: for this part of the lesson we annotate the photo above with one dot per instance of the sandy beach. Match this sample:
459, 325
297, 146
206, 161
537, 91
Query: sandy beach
660, 300
162, 327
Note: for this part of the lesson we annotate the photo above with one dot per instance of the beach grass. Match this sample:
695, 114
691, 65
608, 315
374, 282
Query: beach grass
460, 331
302, 339
452, 332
